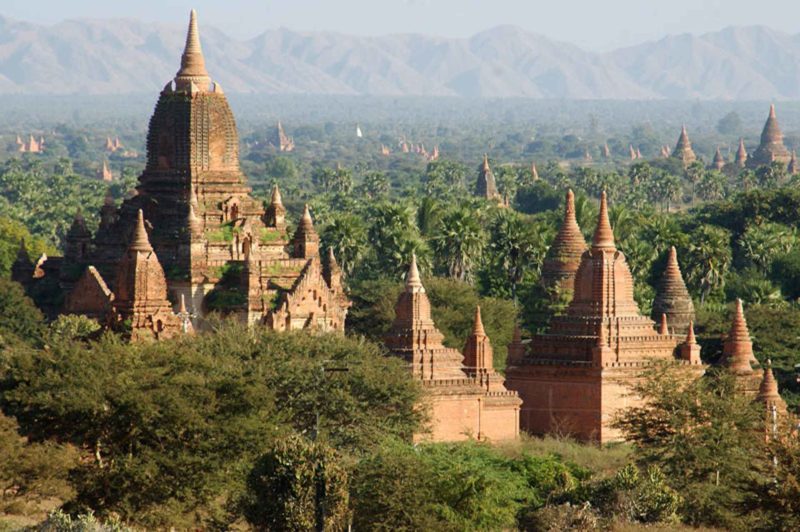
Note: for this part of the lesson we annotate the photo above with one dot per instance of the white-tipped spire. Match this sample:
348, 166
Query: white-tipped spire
193, 64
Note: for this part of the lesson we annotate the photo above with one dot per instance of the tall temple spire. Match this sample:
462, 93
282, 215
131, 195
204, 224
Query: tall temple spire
193, 64
564, 255
737, 350
603, 235
672, 297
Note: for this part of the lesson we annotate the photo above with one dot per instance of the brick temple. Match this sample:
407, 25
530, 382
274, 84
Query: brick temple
209, 242
576, 376
466, 396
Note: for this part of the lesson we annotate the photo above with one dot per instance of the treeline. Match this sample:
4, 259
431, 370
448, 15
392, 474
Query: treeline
244, 428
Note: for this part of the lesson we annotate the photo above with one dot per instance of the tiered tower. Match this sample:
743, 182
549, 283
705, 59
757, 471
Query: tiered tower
577, 376
486, 187
683, 149
771, 147
672, 298
467, 398
564, 256
209, 234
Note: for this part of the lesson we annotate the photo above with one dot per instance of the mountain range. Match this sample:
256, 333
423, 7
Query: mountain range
118, 56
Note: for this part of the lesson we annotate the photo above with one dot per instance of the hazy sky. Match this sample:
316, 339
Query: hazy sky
591, 24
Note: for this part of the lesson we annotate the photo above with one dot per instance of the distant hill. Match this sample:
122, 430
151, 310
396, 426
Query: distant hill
128, 56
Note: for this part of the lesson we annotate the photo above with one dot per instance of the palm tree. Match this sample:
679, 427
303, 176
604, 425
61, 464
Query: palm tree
708, 259
347, 235
517, 248
459, 242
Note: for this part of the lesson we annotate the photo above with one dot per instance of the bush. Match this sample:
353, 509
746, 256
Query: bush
298, 485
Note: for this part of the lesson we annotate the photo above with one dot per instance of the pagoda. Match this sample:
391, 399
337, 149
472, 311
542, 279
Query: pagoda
768, 393
281, 141
564, 256
683, 149
578, 375
737, 353
741, 154
771, 147
466, 397
220, 250
672, 298
486, 186
718, 163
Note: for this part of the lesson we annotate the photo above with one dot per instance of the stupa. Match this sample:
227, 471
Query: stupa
718, 163
564, 256
737, 353
576, 377
741, 154
771, 147
672, 298
683, 149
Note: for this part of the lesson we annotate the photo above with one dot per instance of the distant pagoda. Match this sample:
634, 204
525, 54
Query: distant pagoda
718, 163
280, 140
741, 154
683, 149
486, 187
771, 147
564, 256
672, 298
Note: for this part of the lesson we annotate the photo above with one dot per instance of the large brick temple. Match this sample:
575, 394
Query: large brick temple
215, 246
575, 377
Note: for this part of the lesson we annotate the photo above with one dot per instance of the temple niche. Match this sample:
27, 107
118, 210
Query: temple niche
577, 376
466, 397
218, 247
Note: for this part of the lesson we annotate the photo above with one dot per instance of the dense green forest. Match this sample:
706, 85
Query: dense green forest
243, 428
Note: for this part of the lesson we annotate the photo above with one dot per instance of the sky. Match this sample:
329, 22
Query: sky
597, 25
